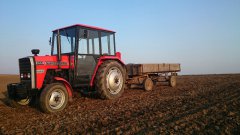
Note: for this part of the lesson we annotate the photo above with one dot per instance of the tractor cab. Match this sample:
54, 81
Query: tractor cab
84, 45
90, 40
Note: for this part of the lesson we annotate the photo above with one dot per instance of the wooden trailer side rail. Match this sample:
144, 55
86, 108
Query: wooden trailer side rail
140, 69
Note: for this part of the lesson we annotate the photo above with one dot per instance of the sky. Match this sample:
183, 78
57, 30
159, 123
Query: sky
202, 35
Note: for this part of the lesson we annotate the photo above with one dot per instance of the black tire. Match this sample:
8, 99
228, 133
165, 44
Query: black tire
148, 84
50, 95
110, 80
173, 81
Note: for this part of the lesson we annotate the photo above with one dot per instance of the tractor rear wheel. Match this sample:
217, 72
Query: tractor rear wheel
110, 80
53, 98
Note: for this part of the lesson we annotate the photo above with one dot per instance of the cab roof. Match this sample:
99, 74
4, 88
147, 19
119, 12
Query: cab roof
86, 26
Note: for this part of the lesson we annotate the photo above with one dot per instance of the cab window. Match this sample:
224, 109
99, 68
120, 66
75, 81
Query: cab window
107, 40
67, 39
88, 42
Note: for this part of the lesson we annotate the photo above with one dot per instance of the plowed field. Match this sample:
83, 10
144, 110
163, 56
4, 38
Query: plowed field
203, 104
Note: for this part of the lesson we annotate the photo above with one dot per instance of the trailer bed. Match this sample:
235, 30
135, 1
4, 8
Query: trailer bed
140, 69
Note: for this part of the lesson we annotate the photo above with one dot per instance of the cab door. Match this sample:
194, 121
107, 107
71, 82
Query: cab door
87, 57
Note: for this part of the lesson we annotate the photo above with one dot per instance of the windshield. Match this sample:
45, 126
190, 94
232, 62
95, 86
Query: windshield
67, 39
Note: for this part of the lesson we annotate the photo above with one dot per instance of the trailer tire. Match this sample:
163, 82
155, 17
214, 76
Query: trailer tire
110, 80
148, 84
173, 81
53, 98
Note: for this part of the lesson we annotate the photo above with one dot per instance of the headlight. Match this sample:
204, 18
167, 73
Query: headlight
28, 75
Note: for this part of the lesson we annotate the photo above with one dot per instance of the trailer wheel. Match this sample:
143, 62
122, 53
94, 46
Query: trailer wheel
53, 98
110, 80
148, 84
173, 81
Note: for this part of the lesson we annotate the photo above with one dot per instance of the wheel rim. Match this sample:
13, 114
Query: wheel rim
24, 101
114, 80
56, 99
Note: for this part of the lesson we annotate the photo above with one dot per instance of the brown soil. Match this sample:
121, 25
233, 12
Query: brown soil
207, 104
6, 79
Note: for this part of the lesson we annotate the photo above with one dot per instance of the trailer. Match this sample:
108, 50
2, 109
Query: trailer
148, 75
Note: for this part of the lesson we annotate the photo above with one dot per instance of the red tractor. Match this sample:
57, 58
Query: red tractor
82, 57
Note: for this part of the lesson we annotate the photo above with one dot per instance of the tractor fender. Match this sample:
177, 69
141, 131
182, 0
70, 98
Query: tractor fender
101, 60
67, 85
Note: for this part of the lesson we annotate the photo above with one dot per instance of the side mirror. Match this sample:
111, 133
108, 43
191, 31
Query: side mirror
50, 41
35, 52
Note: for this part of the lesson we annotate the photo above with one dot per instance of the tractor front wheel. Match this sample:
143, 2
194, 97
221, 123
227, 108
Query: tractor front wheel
110, 80
53, 98
19, 103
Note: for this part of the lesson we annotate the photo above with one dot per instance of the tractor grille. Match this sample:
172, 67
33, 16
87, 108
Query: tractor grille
24, 65
25, 72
